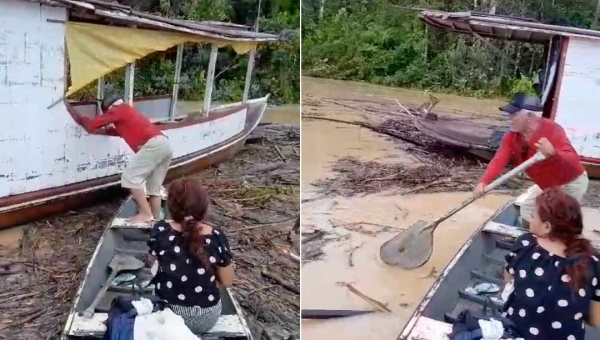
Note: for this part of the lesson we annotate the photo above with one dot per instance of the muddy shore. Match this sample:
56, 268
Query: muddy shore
255, 199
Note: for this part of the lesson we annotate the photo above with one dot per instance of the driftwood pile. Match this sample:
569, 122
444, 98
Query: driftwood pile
255, 199
441, 168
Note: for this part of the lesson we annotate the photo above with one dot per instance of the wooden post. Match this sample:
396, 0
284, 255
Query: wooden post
321, 10
129, 77
210, 76
99, 95
249, 75
176, 81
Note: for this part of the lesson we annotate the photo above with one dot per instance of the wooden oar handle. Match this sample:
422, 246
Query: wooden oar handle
501, 180
538, 157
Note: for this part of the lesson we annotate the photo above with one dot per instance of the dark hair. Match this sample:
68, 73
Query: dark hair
563, 212
188, 203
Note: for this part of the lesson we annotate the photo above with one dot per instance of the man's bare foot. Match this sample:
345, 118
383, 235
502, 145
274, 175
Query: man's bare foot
141, 218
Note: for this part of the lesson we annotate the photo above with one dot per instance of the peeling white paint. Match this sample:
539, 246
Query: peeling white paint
44, 148
578, 103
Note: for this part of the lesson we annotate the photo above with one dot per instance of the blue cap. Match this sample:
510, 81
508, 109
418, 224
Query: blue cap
522, 101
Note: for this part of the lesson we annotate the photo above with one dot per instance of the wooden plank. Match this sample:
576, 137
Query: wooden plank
210, 77
430, 329
503, 229
178, 61
129, 79
100, 95
510, 231
249, 75
123, 223
227, 326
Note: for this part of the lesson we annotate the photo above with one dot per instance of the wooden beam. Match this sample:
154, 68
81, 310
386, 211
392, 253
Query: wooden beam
251, 57
100, 95
176, 82
210, 77
129, 78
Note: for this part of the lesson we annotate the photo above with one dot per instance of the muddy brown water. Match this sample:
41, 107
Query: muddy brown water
322, 143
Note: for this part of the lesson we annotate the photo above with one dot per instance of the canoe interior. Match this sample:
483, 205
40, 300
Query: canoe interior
131, 241
483, 261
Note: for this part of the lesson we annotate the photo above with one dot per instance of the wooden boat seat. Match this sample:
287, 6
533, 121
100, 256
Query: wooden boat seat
120, 222
228, 326
513, 232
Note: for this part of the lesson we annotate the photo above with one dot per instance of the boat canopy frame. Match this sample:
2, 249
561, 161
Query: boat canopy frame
502, 27
217, 34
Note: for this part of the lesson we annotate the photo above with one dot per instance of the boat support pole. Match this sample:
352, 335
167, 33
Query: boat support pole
176, 82
100, 95
129, 76
210, 77
249, 75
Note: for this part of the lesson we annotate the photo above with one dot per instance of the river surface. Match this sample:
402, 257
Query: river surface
322, 143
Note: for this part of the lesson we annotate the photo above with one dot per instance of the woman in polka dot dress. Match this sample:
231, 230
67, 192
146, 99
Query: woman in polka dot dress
191, 256
555, 272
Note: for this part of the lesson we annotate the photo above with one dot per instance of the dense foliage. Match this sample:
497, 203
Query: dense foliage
384, 42
276, 68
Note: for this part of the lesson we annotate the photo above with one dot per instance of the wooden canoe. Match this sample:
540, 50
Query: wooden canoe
198, 142
478, 139
481, 259
131, 240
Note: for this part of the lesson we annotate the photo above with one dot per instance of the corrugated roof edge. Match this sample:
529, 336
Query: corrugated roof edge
524, 25
123, 13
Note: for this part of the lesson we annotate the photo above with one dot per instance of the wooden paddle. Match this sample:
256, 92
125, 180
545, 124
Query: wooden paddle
118, 264
412, 248
331, 314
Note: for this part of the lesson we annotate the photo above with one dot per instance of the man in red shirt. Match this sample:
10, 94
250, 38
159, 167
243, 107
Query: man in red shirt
148, 167
530, 133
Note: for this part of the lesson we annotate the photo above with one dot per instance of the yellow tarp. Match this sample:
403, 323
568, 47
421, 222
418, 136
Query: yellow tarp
96, 50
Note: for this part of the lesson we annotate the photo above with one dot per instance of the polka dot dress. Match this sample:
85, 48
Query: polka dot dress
543, 304
182, 278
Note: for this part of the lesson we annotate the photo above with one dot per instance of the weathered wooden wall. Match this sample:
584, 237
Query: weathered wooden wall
578, 109
43, 148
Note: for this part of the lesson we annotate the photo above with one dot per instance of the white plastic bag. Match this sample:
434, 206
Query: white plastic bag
163, 325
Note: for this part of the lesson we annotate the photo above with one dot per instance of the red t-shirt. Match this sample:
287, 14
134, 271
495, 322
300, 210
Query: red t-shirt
563, 167
135, 128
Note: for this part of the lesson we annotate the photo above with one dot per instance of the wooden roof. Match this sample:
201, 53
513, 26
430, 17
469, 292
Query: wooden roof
502, 27
102, 12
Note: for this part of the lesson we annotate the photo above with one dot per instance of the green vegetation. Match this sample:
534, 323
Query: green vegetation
384, 42
276, 68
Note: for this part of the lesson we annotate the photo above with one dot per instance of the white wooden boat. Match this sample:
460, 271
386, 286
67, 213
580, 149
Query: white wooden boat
48, 163
128, 239
480, 259
568, 86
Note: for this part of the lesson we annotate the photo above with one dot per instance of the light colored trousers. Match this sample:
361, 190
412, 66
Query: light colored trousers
576, 188
148, 167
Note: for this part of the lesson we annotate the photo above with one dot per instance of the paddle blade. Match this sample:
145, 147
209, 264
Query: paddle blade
411, 248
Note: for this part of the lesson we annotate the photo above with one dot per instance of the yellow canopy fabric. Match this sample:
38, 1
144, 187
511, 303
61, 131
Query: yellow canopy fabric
96, 50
